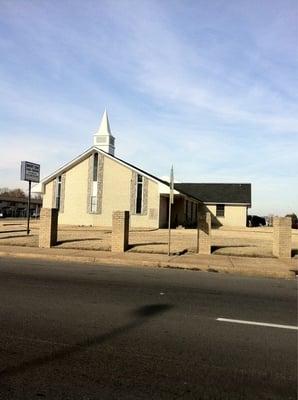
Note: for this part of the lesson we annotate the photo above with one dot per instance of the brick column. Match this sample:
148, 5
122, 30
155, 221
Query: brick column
282, 237
48, 227
204, 233
120, 231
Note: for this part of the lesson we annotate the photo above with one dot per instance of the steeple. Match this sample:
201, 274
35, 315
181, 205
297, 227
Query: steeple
103, 138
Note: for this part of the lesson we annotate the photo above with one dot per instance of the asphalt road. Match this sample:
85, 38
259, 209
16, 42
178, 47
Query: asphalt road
94, 332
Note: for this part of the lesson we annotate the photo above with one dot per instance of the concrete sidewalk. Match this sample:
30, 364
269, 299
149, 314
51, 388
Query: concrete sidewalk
249, 266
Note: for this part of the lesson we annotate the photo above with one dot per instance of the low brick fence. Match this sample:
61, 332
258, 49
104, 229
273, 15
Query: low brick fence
261, 242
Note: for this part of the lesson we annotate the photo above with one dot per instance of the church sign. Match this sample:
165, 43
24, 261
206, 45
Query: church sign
30, 171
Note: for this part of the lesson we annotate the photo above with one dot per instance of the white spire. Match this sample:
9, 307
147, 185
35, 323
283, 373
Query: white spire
103, 137
104, 128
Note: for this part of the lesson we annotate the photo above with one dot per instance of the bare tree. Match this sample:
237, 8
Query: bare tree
19, 193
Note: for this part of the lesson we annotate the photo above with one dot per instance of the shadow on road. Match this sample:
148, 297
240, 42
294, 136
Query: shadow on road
141, 315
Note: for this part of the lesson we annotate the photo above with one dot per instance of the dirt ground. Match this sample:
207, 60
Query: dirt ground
253, 242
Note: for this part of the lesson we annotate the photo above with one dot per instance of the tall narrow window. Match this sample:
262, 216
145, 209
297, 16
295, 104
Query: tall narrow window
93, 197
58, 191
139, 194
95, 167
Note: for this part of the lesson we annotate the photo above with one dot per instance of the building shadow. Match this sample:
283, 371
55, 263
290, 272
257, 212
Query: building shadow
214, 248
294, 253
180, 253
131, 246
15, 236
14, 230
140, 316
76, 240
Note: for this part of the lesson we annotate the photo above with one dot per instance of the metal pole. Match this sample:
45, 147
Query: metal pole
28, 209
169, 227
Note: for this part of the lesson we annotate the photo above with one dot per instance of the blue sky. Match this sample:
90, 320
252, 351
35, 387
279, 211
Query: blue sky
209, 86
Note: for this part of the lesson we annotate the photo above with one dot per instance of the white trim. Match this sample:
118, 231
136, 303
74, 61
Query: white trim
140, 172
84, 155
226, 204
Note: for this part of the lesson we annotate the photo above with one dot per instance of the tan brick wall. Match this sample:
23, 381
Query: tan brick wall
48, 195
234, 215
120, 231
282, 237
204, 233
75, 196
75, 200
115, 196
48, 227
151, 219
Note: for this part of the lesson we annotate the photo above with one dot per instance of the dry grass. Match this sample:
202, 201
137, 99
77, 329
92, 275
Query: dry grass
256, 242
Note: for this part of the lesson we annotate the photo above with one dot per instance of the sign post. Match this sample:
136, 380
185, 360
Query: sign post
171, 201
29, 172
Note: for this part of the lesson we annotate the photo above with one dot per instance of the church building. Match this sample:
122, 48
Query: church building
90, 187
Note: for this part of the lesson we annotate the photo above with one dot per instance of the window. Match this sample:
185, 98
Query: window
139, 194
95, 167
220, 210
58, 191
93, 204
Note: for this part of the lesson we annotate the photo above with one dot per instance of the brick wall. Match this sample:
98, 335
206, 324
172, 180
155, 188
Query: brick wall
48, 227
282, 237
204, 233
120, 231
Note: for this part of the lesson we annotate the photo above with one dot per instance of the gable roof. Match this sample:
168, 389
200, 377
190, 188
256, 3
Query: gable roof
39, 187
220, 193
86, 154
228, 193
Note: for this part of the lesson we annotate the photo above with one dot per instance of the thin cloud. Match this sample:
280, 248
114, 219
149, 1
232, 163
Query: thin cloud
208, 86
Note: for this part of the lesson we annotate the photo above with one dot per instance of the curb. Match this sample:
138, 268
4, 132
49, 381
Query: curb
251, 272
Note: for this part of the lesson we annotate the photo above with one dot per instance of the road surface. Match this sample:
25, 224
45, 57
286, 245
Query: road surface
73, 331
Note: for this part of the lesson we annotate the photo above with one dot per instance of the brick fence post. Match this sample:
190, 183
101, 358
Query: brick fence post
120, 231
48, 227
282, 237
204, 233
